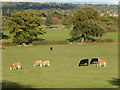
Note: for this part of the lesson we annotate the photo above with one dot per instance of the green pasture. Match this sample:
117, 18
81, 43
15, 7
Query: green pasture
62, 35
63, 71
56, 35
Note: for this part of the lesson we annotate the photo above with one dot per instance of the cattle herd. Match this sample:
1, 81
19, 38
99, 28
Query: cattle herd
36, 63
84, 62
97, 61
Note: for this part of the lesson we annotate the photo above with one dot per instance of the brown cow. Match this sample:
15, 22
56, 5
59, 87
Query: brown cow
36, 63
16, 65
44, 63
101, 62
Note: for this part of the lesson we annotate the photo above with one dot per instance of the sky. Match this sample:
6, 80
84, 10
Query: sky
108, 1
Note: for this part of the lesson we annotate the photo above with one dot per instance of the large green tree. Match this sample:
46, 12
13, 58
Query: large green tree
24, 26
48, 21
87, 24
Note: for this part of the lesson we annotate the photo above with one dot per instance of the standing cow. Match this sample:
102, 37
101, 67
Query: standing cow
83, 62
94, 60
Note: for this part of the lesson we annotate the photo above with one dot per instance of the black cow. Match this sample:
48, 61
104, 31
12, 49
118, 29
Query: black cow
94, 60
83, 62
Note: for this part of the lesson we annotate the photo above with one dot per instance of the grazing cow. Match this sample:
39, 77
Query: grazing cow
51, 48
36, 63
94, 60
101, 63
45, 63
83, 62
16, 65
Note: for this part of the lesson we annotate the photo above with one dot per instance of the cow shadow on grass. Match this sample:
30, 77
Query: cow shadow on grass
13, 85
115, 81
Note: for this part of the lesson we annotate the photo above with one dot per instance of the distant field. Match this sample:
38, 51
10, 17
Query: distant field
56, 35
63, 71
113, 36
63, 35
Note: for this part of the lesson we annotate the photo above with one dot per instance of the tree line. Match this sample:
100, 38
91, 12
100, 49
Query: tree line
87, 22
103, 8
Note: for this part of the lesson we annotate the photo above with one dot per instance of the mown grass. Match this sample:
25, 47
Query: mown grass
63, 71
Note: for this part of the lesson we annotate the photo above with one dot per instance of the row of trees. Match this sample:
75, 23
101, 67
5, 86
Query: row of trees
87, 23
103, 8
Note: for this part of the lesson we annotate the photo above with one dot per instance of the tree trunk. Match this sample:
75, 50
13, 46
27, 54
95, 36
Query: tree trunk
82, 40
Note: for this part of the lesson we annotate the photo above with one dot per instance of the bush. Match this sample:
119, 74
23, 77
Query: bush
49, 42
8, 44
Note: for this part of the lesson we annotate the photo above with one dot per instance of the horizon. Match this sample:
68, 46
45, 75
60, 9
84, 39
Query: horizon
68, 1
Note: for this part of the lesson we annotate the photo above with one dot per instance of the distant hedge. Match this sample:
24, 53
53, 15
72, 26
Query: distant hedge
49, 42
104, 40
58, 42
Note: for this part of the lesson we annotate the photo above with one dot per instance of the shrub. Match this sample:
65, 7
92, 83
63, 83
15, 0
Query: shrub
49, 42
104, 40
7, 44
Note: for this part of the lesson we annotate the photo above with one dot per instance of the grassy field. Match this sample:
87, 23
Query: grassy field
63, 35
63, 71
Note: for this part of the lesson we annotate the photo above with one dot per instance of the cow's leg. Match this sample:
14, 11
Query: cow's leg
14, 68
48, 64
40, 65
87, 63
79, 65
100, 64
10, 68
43, 65
104, 64
18, 67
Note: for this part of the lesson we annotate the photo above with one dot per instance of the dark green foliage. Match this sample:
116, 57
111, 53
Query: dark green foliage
110, 22
87, 24
8, 44
24, 26
68, 21
49, 42
48, 21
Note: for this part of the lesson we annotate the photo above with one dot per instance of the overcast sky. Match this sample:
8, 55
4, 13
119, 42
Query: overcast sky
109, 1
